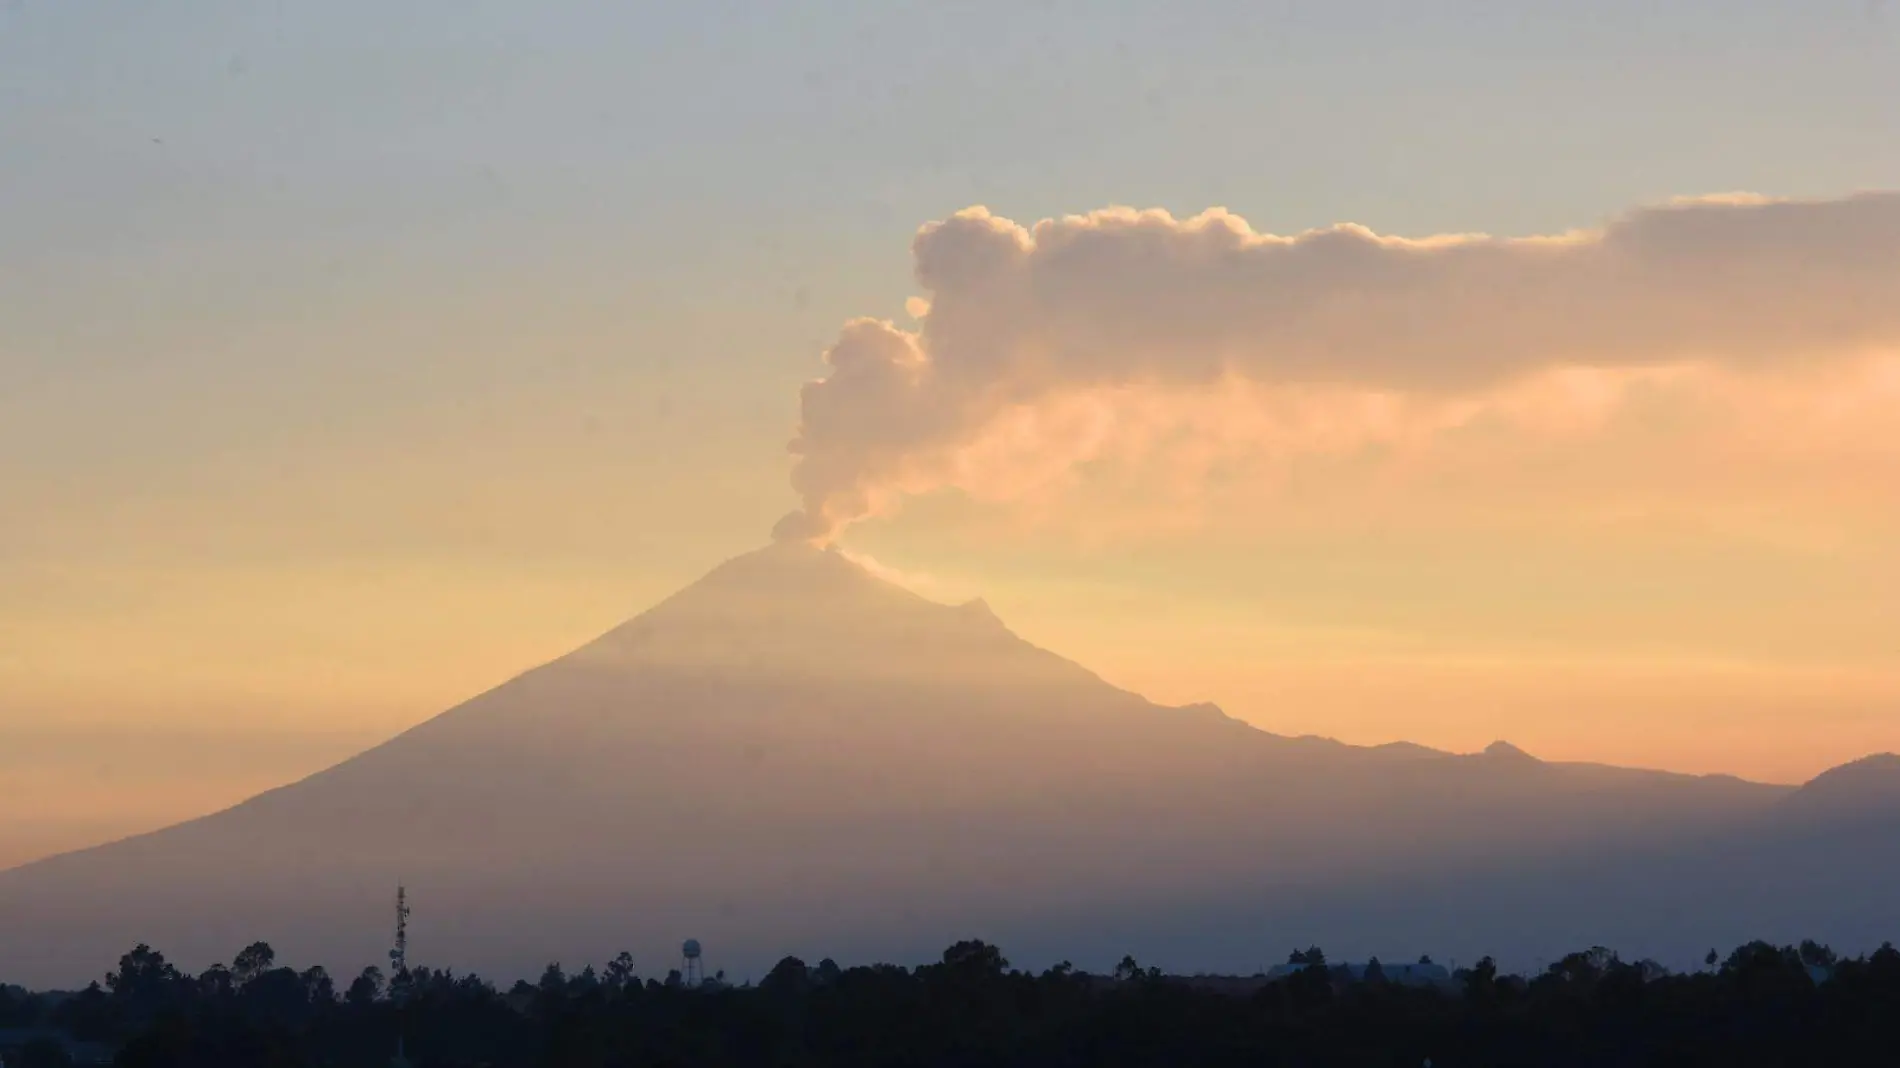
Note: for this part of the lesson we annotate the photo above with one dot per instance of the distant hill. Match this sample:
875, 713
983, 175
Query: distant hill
1868, 787
793, 756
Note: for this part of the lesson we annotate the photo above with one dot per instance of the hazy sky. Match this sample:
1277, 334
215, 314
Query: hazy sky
356, 356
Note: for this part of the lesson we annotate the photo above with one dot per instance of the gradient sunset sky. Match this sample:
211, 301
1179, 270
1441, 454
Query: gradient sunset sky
356, 356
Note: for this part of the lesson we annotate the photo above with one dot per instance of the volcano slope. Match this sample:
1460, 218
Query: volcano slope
793, 756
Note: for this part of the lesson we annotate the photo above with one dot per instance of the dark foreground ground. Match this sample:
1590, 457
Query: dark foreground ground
1763, 1005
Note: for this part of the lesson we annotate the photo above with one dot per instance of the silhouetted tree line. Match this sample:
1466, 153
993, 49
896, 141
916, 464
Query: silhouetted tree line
1761, 1005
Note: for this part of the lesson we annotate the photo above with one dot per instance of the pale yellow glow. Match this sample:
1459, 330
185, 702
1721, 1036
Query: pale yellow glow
1680, 565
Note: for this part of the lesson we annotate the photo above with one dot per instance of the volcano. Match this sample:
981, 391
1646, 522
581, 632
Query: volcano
793, 756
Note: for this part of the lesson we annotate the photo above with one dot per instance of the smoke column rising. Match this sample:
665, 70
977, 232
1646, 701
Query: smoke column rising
1014, 317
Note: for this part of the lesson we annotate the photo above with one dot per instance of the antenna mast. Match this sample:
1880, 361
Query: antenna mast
399, 956
399, 967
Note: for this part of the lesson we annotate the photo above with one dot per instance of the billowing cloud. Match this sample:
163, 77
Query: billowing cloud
1019, 323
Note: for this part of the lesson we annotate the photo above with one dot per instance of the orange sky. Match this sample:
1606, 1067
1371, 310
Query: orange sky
343, 382
1691, 572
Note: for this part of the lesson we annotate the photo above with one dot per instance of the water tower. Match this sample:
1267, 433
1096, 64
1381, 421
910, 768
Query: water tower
692, 972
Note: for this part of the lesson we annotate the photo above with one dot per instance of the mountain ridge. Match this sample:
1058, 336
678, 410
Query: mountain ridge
792, 754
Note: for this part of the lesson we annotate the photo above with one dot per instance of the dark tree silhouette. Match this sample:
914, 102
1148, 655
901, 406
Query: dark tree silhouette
1312, 956
1480, 981
1815, 955
975, 958
216, 982
365, 988
252, 961
318, 988
143, 974
828, 972
619, 973
787, 976
1766, 1005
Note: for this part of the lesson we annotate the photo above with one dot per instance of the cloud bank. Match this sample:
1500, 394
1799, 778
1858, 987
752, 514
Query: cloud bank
1325, 331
